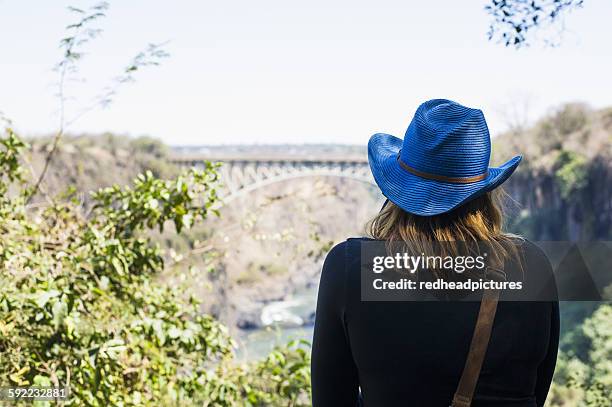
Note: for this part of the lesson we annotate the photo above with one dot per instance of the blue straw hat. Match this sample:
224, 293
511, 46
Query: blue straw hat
442, 163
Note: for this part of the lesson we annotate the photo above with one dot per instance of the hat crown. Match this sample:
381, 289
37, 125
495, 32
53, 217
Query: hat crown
447, 139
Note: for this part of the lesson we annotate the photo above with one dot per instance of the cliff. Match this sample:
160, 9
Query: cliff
563, 187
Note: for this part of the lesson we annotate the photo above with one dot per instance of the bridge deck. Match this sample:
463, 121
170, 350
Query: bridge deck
192, 158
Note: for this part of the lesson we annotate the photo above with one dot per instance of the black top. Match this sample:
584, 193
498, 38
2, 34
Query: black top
412, 353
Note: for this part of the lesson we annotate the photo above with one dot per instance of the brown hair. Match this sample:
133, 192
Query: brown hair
479, 220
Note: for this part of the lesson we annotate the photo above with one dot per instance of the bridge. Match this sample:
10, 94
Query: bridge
241, 175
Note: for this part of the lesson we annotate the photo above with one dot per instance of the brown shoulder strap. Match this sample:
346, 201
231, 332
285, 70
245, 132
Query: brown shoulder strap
480, 342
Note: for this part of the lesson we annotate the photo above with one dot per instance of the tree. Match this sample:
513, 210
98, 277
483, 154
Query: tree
515, 21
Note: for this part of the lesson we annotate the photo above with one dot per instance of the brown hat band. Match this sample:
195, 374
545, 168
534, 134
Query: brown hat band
443, 178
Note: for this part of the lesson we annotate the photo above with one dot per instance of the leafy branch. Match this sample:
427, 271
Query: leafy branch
515, 20
80, 34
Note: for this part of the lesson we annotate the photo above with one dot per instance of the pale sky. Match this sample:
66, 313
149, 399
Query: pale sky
294, 72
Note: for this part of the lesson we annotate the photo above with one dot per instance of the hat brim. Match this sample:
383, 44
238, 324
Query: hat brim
422, 196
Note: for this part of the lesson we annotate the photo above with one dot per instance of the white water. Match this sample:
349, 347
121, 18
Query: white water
283, 321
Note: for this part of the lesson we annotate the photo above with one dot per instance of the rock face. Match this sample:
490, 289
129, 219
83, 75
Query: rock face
544, 213
563, 187
272, 243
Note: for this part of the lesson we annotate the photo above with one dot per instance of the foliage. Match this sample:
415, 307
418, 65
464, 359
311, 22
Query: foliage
598, 381
9, 161
571, 174
81, 307
282, 379
515, 20
585, 378
565, 174
564, 124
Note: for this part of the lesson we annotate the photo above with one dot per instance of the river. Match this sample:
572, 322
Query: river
291, 318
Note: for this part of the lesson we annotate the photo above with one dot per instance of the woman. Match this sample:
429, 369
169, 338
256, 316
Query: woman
439, 188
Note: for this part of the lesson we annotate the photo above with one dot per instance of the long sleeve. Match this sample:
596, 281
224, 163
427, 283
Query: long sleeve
334, 374
547, 367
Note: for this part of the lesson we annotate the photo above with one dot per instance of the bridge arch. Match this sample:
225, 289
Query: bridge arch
273, 180
241, 176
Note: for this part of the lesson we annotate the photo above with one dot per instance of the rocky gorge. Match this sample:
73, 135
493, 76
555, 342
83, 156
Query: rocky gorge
248, 265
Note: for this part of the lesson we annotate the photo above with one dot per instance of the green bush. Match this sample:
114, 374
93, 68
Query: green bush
583, 376
571, 173
80, 306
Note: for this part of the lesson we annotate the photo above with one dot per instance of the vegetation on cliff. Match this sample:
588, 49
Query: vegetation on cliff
564, 184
